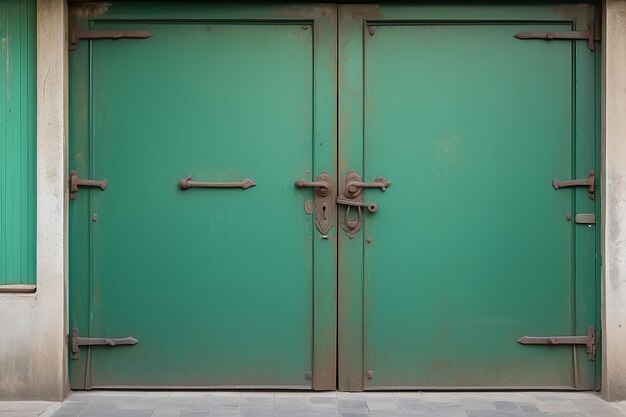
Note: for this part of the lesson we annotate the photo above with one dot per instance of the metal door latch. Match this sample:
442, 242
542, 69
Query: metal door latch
589, 182
353, 191
324, 200
589, 340
585, 218
76, 182
371, 207
77, 341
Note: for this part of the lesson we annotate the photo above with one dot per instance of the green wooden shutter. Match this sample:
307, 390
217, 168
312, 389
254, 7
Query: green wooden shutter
17, 142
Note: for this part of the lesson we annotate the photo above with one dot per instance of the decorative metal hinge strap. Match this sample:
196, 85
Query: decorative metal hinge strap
77, 341
76, 35
76, 182
588, 35
589, 182
589, 340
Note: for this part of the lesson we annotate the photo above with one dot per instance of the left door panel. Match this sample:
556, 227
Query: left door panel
216, 284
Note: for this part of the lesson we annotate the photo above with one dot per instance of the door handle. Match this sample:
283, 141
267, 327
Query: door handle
187, 183
324, 200
354, 187
589, 182
322, 188
76, 182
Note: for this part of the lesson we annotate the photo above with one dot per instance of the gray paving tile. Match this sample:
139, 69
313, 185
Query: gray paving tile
435, 405
166, 412
410, 399
269, 399
447, 412
65, 413
256, 412
186, 404
225, 413
226, 401
115, 413
387, 406
194, 414
72, 408
322, 400
505, 405
479, 406
137, 405
497, 413
345, 403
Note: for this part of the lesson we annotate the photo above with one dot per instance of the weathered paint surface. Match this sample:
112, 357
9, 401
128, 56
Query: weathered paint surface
17, 142
217, 284
33, 361
470, 249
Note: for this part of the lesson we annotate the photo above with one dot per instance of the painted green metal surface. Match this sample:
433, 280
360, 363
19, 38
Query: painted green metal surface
222, 287
470, 248
17, 142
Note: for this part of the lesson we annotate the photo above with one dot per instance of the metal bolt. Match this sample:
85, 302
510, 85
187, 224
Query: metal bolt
354, 14
568, 217
370, 374
305, 27
94, 217
369, 239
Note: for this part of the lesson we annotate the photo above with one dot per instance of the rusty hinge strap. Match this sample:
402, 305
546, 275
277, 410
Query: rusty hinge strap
589, 340
113, 34
77, 341
588, 35
76, 35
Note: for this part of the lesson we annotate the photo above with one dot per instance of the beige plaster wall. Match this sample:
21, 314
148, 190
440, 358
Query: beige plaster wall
32, 326
614, 204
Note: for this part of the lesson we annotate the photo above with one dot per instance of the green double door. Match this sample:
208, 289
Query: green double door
331, 197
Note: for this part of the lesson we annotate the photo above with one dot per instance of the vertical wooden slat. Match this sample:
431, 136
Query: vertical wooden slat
17, 142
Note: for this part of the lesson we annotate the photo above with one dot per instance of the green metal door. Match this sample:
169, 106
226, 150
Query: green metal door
471, 247
214, 243
221, 287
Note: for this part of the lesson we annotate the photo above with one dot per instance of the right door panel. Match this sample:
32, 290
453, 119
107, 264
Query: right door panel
471, 248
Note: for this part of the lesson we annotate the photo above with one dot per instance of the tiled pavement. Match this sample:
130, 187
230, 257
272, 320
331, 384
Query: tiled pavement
326, 404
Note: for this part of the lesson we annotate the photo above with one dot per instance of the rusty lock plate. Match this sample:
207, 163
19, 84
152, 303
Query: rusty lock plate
324, 200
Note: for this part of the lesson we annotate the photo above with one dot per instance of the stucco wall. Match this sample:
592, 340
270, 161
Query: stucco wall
32, 338
614, 207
